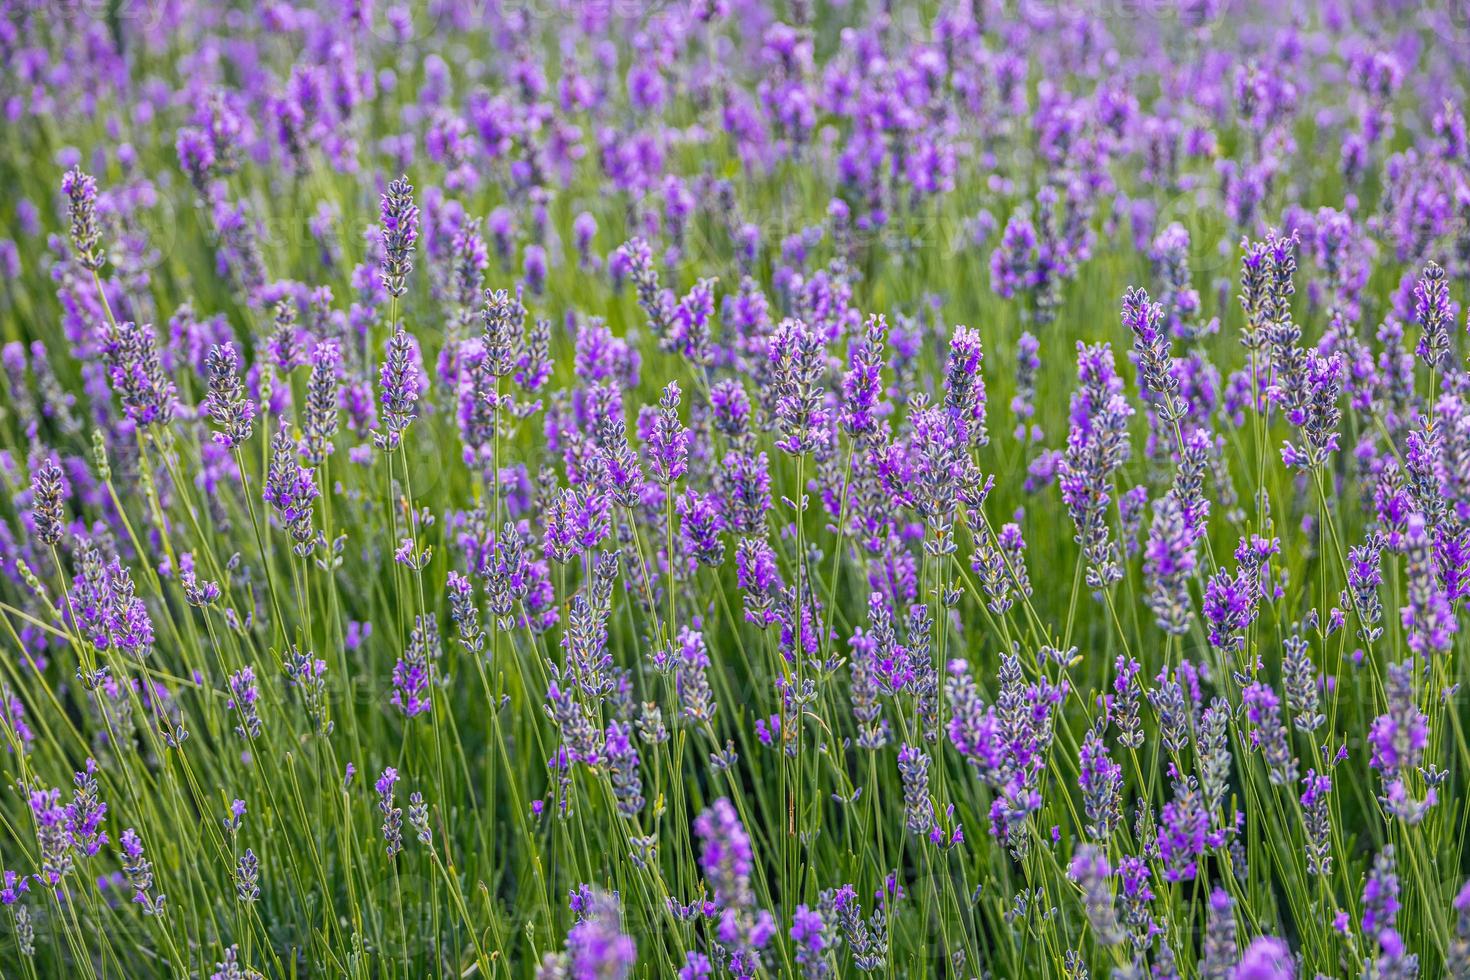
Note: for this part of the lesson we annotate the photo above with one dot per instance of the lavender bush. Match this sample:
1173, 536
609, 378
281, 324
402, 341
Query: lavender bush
720, 487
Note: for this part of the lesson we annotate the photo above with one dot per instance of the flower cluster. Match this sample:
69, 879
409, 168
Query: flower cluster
516, 489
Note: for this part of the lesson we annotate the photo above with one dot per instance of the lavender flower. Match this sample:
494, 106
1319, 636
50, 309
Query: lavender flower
700, 526
811, 935
862, 384
86, 811
1090, 870
1269, 734
1124, 706
1364, 579
1432, 311
964, 385
137, 375
725, 855
1398, 738
503, 318
1185, 832
400, 230
1096, 446
1381, 894
668, 445
52, 836
233, 413
1316, 802
139, 872
913, 769
1145, 319
1266, 958
398, 391
622, 763
596, 946
411, 674
1102, 786
1428, 618
48, 491
691, 683
247, 878
1219, 942
1168, 566
1458, 958
1299, 677
798, 358
321, 403
291, 491
1267, 284
392, 815
86, 234
1023, 405
464, 612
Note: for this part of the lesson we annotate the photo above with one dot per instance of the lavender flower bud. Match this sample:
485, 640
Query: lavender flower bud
621, 757
400, 230
1124, 707
964, 385
913, 770
1096, 446
48, 494
86, 234
321, 402
1101, 780
233, 413
139, 872
418, 818
1145, 319
668, 445
290, 490
308, 674
1263, 709
392, 815
725, 855
1317, 811
504, 319
1433, 313
1219, 946
398, 390
244, 698
1398, 738
798, 359
1299, 676
1090, 870
247, 878
862, 385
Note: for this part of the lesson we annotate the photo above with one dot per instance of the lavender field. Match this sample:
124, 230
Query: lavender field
761, 488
